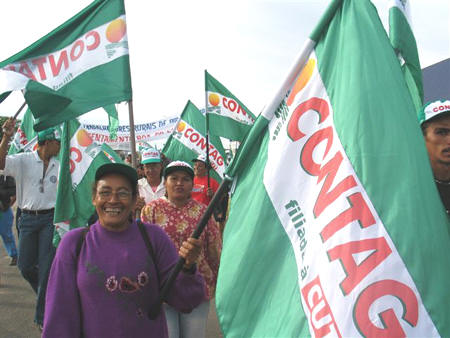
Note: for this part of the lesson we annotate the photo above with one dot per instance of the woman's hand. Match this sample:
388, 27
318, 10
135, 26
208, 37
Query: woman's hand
190, 250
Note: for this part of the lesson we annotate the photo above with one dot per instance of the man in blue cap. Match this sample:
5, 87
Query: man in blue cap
36, 175
434, 118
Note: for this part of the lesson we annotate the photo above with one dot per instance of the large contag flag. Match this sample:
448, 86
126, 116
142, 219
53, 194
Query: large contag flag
188, 141
80, 157
85, 61
228, 117
336, 227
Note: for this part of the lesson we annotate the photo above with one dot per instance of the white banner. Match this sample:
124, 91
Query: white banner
145, 132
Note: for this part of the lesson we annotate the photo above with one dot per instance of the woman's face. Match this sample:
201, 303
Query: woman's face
114, 202
178, 186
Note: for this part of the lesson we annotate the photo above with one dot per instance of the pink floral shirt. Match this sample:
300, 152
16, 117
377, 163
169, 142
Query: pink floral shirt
179, 224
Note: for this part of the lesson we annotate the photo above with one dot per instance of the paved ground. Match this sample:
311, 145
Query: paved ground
17, 301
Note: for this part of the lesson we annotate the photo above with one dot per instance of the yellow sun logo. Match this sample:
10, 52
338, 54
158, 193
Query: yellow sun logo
116, 30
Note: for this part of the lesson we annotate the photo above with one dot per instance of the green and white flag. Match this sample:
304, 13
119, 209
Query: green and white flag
188, 141
228, 117
80, 157
404, 43
25, 138
336, 227
84, 64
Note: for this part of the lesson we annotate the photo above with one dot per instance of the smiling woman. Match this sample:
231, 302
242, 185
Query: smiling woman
178, 214
97, 290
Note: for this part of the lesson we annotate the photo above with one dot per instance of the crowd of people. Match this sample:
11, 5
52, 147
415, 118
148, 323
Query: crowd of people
109, 274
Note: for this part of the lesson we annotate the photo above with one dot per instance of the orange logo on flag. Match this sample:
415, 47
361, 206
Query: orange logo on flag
116, 30
83, 138
181, 126
214, 99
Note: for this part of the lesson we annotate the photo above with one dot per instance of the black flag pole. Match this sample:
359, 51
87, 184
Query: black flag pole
20, 109
154, 311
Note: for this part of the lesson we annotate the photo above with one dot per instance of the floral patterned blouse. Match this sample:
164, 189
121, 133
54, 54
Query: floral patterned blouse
179, 224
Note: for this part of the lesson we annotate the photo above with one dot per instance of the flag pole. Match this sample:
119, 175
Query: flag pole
154, 310
20, 109
207, 130
132, 134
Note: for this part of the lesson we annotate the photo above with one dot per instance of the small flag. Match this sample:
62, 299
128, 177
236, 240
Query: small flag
228, 117
188, 141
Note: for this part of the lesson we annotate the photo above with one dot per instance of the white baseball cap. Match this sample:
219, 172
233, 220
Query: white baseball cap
150, 155
433, 109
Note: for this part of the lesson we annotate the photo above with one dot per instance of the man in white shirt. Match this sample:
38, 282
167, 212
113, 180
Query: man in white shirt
151, 186
36, 175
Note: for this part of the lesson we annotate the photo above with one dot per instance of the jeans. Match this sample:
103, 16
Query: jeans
36, 252
187, 325
6, 221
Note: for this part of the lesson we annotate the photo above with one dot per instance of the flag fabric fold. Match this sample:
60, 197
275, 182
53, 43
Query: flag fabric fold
339, 227
85, 61
188, 141
228, 117
80, 157
404, 44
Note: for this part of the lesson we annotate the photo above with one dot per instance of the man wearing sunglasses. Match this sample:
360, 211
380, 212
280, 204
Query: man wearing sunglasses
36, 175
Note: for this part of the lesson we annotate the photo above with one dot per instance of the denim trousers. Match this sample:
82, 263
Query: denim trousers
6, 222
36, 253
187, 325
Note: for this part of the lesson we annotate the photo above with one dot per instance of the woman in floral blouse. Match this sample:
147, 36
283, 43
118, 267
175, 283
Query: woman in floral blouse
178, 214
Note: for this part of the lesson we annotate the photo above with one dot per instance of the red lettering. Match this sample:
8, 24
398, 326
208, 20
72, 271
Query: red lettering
358, 211
388, 319
194, 137
220, 161
214, 154
356, 273
40, 64
321, 317
329, 171
224, 102
11, 67
232, 105
62, 60
202, 143
74, 55
241, 111
25, 70
96, 41
320, 106
306, 157
77, 158
186, 132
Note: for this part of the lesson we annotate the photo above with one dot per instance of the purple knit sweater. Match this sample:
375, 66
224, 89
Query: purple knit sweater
108, 290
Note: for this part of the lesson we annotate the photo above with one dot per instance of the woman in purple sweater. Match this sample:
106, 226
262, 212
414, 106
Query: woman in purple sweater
103, 282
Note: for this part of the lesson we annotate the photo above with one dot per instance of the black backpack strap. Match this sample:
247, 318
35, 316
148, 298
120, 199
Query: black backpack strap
149, 246
81, 241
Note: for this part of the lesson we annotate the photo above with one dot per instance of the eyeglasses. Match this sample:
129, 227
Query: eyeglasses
41, 185
122, 195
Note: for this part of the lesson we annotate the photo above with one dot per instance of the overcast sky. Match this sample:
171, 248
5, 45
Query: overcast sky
247, 45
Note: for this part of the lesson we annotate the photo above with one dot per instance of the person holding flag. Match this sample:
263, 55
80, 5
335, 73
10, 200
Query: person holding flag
178, 214
36, 175
434, 119
105, 279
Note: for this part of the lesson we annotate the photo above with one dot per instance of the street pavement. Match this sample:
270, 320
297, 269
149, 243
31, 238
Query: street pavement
17, 301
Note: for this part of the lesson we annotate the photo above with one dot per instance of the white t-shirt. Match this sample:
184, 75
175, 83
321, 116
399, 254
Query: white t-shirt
27, 169
146, 191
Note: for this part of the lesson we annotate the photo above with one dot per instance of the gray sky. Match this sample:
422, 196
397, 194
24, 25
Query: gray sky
247, 45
